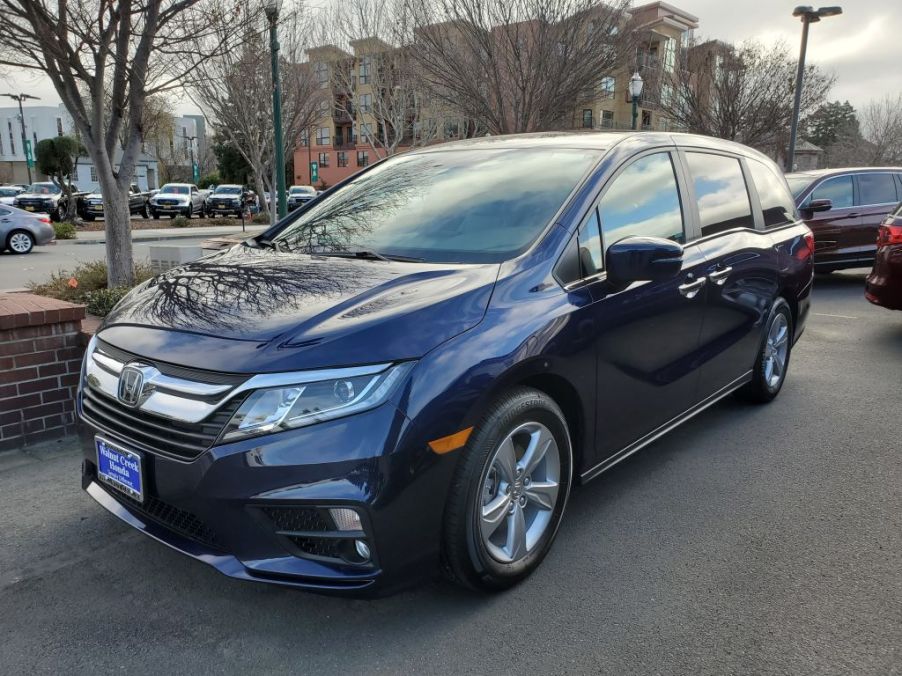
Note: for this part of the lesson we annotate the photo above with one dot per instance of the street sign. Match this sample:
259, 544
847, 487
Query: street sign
195, 171
314, 172
29, 156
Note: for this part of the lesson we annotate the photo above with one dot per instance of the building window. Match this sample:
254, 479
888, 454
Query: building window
365, 70
587, 118
366, 103
321, 72
12, 137
322, 136
93, 174
59, 126
363, 158
606, 87
342, 159
324, 159
452, 128
305, 137
607, 119
366, 132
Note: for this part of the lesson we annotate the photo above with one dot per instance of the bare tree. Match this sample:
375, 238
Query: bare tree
104, 58
742, 93
234, 90
881, 127
516, 65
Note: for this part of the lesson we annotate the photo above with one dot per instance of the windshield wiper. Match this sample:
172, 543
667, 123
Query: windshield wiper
369, 254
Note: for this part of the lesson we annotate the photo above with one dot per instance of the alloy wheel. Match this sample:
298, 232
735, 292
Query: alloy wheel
20, 242
519, 492
776, 349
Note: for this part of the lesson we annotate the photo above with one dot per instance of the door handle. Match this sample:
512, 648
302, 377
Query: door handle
690, 289
720, 277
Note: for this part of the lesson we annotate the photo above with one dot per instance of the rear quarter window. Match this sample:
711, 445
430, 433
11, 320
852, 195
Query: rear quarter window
720, 192
777, 204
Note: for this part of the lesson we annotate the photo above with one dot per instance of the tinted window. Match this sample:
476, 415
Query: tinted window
228, 190
837, 189
798, 183
723, 200
451, 205
876, 189
777, 204
643, 200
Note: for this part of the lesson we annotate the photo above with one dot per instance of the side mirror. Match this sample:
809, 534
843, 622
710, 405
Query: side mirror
637, 259
819, 205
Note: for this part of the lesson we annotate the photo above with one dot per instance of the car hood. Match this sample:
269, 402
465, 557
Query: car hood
34, 195
172, 195
255, 310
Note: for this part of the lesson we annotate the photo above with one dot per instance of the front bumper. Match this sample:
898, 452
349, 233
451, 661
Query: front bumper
218, 508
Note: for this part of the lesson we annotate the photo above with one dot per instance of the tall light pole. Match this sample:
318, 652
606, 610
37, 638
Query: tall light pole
635, 93
808, 15
189, 140
272, 14
20, 98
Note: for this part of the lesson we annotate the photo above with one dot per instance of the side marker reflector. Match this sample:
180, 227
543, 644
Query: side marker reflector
450, 443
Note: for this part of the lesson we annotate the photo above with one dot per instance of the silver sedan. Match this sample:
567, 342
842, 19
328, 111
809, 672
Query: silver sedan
20, 230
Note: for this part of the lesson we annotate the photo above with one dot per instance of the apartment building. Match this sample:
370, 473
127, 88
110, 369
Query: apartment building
662, 32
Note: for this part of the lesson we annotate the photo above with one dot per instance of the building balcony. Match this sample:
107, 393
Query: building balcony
344, 145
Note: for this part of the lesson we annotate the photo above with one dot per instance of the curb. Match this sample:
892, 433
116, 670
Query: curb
163, 238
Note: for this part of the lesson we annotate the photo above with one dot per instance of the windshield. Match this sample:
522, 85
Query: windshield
176, 189
44, 189
798, 183
9, 192
444, 206
301, 190
228, 190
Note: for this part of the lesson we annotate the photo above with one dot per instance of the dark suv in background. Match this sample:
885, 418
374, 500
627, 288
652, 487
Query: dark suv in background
844, 208
416, 367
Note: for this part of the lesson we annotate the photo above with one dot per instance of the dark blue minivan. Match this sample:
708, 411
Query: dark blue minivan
410, 372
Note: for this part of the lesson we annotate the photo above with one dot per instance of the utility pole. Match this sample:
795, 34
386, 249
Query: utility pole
190, 141
272, 8
28, 159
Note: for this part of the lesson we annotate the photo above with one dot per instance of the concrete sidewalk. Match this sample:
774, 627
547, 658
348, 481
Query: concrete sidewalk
162, 234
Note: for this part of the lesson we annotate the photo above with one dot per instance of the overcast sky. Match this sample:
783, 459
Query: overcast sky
861, 46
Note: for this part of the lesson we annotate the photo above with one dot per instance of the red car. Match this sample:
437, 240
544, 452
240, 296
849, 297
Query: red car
884, 284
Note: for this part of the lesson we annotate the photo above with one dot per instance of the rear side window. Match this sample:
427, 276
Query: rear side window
720, 191
643, 201
837, 189
876, 189
777, 204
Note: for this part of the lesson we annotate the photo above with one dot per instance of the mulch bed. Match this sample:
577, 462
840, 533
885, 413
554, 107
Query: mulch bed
152, 224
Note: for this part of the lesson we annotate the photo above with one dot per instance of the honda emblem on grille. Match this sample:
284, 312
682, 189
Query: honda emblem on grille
135, 383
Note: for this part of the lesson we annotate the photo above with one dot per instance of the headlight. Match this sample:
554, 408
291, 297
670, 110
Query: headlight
282, 408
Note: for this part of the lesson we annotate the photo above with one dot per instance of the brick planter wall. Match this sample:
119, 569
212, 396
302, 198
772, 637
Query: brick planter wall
40, 359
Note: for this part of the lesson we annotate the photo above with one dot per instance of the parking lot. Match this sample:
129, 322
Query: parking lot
751, 540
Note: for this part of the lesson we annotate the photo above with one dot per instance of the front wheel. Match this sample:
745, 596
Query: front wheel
59, 213
509, 492
772, 362
145, 213
20, 242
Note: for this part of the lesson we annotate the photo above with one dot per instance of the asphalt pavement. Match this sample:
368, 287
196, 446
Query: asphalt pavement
753, 540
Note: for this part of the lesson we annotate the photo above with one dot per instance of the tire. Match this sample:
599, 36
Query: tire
89, 217
766, 383
144, 212
154, 215
59, 213
477, 554
189, 212
20, 242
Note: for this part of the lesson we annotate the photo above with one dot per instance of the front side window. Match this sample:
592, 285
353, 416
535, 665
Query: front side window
837, 189
720, 192
777, 204
876, 189
643, 201
466, 206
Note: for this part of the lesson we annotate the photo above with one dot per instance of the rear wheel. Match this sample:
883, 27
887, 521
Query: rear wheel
59, 213
509, 492
145, 213
20, 242
773, 357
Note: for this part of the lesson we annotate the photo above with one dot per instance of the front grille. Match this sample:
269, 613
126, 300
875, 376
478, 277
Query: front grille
182, 522
298, 518
155, 433
327, 548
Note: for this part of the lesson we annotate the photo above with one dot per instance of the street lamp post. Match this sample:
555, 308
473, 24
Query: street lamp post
635, 93
272, 14
808, 15
20, 98
189, 140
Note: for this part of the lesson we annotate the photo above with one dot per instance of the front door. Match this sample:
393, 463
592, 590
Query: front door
834, 230
648, 332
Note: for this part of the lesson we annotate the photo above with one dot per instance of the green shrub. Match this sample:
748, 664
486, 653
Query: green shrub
65, 230
260, 219
76, 286
220, 221
101, 301
180, 222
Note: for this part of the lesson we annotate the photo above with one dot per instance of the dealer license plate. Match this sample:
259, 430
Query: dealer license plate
120, 468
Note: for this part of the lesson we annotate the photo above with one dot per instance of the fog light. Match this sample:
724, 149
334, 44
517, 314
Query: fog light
363, 549
345, 519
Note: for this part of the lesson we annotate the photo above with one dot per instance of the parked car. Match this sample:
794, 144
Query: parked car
884, 284
47, 197
21, 231
230, 199
8, 194
92, 204
176, 199
844, 208
299, 195
417, 367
